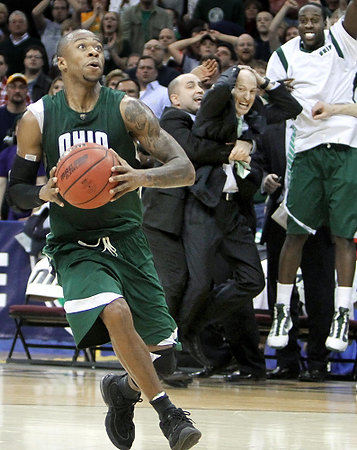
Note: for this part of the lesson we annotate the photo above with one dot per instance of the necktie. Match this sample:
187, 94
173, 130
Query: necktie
239, 127
291, 154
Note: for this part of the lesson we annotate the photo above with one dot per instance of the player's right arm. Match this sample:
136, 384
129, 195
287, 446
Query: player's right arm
23, 192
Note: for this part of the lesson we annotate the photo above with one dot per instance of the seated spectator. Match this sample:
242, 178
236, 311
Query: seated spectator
245, 49
68, 25
3, 79
50, 30
91, 18
4, 14
7, 157
152, 93
143, 22
56, 86
116, 49
16, 103
113, 78
37, 81
130, 87
14, 47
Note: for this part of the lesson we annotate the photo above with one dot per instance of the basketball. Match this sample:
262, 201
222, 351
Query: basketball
83, 175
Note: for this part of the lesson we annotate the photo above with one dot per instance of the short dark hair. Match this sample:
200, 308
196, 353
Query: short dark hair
322, 9
130, 79
148, 57
230, 47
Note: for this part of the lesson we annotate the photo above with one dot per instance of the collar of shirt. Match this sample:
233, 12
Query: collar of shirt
18, 41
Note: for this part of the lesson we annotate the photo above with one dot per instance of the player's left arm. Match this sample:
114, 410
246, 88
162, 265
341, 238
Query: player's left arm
350, 20
176, 169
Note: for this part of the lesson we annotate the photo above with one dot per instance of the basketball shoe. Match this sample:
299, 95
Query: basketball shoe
337, 340
178, 429
119, 419
279, 332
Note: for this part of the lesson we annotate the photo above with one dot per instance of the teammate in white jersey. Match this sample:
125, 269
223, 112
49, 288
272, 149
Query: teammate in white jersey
323, 185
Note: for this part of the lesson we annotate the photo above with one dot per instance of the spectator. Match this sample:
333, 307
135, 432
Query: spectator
15, 46
113, 78
116, 49
166, 74
119, 6
166, 37
322, 189
251, 9
213, 11
207, 46
38, 83
264, 19
143, 22
130, 87
245, 49
50, 30
68, 25
91, 18
16, 91
4, 14
274, 39
3, 79
132, 61
56, 86
226, 55
152, 93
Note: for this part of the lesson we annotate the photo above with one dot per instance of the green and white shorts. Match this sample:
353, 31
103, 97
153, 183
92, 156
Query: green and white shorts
93, 274
323, 191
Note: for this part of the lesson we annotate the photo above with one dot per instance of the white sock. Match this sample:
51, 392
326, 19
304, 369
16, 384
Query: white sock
283, 293
343, 297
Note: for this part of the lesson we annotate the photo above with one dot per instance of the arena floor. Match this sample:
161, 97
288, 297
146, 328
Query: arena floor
60, 408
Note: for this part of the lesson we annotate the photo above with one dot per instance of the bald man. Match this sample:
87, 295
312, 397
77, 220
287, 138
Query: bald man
245, 49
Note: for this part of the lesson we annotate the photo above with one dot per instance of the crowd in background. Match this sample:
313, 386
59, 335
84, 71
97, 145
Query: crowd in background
147, 45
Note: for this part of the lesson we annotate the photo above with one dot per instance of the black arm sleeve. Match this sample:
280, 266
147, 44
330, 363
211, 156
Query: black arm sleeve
22, 193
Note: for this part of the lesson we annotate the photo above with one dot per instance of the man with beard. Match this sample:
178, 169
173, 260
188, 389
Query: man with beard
16, 91
322, 187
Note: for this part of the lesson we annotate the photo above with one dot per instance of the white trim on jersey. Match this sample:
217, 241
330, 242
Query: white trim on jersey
38, 110
325, 74
86, 304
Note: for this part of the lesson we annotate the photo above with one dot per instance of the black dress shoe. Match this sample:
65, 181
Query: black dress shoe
314, 375
178, 379
283, 373
193, 345
238, 376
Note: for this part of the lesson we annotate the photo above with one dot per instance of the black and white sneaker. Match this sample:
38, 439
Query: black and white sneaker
282, 323
337, 340
119, 419
179, 430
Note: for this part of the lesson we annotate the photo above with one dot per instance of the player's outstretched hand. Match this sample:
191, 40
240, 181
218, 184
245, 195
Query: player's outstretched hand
49, 191
127, 177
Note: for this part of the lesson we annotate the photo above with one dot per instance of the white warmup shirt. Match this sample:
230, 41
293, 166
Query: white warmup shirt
325, 74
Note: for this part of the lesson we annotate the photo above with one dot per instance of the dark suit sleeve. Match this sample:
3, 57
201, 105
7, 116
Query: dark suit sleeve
282, 105
199, 150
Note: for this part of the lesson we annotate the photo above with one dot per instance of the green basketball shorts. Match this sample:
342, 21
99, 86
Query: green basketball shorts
323, 191
93, 274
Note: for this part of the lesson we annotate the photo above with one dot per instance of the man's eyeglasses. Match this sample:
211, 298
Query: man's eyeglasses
153, 47
33, 57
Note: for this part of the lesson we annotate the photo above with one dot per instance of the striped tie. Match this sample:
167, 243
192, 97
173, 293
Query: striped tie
239, 127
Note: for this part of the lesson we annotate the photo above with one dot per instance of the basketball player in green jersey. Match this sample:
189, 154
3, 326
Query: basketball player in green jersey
101, 255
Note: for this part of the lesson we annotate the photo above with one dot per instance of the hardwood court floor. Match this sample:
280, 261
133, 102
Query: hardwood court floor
57, 408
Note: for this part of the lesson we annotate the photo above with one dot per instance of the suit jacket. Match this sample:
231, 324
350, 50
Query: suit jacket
164, 208
41, 87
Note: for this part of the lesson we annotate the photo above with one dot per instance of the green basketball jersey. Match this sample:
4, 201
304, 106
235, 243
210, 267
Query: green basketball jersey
64, 127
